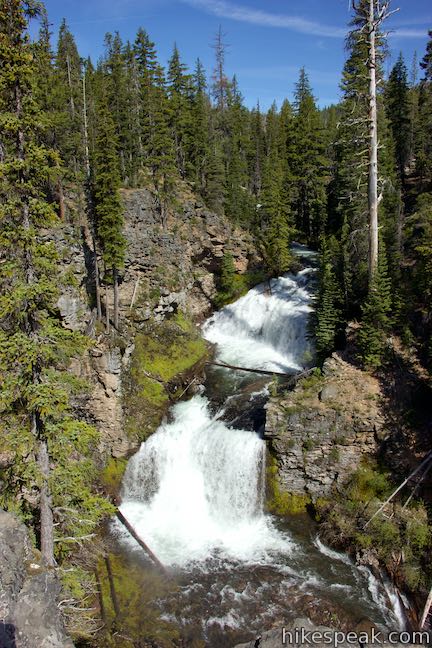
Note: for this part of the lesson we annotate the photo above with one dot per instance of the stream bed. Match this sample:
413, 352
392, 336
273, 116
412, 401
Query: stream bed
195, 493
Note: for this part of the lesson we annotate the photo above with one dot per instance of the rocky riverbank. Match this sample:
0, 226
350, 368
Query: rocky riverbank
302, 632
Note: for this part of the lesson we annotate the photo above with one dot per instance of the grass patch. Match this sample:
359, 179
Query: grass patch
162, 352
281, 502
138, 617
112, 475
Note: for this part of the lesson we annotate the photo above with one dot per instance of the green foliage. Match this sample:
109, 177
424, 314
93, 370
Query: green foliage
405, 533
279, 501
327, 319
35, 349
108, 207
136, 592
162, 352
112, 475
376, 317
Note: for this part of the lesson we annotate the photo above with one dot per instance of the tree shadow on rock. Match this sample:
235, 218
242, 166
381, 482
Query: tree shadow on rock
7, 635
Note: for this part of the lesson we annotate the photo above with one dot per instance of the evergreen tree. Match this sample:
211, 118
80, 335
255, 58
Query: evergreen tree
238, 205
38, 424
327, 318
182, 127
69, 102
398, 112
308, 163
376, 316
161, 155
276, 229
423, 139
108, 208
117, 91
200, 144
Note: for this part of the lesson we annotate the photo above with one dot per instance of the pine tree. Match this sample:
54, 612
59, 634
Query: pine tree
423, 139
327, 318
38, 424
161, 155
376, 316
108, 208
398, 112
182, 127
220, 86
69, 102
276, 229
238, 205
308, 163
117, 91
200, 144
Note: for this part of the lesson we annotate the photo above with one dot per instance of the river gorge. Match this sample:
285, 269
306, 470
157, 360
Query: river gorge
195, 492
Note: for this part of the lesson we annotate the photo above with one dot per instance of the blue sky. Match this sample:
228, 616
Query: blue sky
269, 40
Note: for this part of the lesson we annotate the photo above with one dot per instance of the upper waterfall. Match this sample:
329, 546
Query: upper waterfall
267, 328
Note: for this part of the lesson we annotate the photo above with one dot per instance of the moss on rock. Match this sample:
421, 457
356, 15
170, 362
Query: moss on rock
163, 351
279, 501
112, 475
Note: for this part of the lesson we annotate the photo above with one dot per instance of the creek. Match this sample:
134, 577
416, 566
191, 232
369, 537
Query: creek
195, 492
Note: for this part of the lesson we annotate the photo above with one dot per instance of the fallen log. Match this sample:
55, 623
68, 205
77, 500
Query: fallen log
426, 610
258, 371
141, 542
293, 377
420, 467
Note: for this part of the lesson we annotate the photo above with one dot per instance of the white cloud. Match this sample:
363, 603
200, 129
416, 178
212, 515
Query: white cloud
258, 17
225, 9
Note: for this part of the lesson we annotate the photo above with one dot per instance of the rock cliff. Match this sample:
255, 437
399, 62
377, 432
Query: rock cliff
167, 270
30, 614
319, 433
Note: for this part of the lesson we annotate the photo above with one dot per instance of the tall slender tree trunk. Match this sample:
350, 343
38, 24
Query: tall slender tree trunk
97, 281
86, 139
373, 151
45, 507
116, 297
107, 309
87, 166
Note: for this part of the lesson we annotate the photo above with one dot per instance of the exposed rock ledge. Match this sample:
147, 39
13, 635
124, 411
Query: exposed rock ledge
286, 636
29, 594
319, 432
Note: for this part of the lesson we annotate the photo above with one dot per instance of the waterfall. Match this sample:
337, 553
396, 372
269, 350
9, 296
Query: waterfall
266, 329
195, 490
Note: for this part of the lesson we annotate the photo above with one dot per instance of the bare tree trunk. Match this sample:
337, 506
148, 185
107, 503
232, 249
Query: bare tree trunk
97, 281
116, 297
113, 592
45, 507
60, 196
71, 99
373, 152
107, 310
86, 140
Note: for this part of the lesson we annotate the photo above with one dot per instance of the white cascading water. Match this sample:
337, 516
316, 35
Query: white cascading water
266, 329
195, 489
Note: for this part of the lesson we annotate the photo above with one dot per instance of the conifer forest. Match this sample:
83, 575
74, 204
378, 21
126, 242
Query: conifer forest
215, 343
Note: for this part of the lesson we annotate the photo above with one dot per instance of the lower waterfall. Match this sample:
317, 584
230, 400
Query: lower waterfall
196, 488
